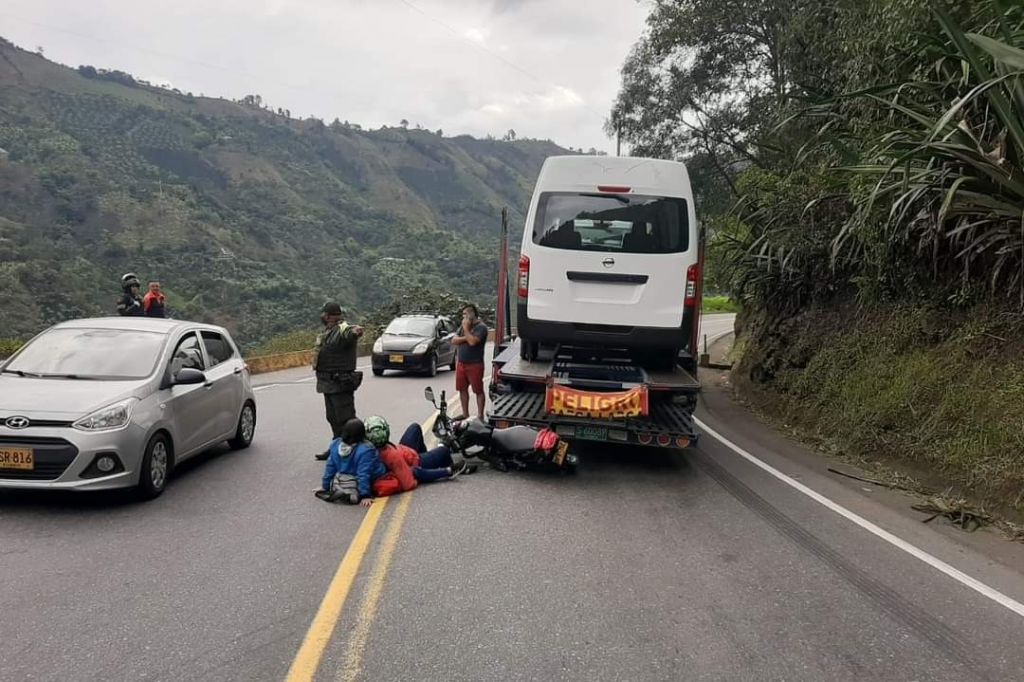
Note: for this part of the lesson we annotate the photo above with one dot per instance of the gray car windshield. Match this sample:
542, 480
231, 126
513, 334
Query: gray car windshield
411, 327
103, 354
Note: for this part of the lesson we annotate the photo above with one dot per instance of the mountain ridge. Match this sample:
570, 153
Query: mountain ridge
249, 218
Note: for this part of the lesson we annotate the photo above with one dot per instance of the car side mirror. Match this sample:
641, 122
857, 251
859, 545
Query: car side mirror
428, 392
188, 376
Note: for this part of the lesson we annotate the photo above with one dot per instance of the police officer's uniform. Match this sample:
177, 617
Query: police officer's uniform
334, 361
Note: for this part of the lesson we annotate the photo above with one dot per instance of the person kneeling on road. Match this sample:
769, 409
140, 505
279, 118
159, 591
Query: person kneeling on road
353, 465
409, 462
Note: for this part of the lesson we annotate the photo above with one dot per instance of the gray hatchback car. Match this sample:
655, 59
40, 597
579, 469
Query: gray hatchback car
116, 402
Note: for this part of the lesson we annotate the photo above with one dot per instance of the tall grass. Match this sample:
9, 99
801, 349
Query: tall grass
945, 178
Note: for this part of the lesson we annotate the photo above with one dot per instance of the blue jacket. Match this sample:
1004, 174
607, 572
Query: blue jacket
361, 461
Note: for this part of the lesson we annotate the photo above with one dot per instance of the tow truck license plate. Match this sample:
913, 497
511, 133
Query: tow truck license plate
17, 458
592, 432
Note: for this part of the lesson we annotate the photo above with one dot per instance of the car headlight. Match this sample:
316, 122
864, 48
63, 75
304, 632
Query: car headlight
422, 347
378, 346
108, 418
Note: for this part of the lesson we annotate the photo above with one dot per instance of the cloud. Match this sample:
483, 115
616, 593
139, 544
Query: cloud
547, 69
477, 35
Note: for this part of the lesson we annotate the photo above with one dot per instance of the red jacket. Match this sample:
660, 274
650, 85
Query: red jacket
399, 459
154, 304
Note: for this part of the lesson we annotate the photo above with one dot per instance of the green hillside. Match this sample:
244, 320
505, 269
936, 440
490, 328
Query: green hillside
248, 217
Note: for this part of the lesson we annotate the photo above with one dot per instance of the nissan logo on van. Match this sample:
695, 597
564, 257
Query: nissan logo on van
608, 262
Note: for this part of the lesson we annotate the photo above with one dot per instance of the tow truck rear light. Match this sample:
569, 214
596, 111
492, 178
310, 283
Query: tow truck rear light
524, 276
692, 275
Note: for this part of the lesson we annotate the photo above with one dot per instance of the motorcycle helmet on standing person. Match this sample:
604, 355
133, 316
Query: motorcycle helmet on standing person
129, 280
378, 431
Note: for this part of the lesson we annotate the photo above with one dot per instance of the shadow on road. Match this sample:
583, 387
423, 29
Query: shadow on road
72, 502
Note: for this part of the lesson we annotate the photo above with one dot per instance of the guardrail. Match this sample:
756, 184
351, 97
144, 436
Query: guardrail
261, 364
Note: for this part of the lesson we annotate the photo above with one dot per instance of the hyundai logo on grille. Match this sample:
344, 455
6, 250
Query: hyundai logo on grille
17, 422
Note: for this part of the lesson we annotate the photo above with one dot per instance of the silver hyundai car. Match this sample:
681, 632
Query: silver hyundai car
117, 402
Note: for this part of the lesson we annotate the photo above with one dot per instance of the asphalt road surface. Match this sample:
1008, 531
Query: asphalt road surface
741, 562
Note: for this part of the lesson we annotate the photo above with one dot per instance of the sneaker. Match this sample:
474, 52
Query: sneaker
322, 456
463, 467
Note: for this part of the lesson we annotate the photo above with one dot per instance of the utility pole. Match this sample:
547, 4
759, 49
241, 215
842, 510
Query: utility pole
618, 138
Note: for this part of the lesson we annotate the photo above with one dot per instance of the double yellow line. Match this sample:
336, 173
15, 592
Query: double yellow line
307, 660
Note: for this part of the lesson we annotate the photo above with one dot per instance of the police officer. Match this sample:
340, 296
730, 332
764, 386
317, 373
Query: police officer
130, 303
334, 361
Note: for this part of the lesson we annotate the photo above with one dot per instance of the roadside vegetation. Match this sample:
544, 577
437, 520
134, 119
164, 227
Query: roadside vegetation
858, 166
719, 304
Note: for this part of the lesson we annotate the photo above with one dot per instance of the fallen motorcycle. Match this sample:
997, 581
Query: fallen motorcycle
517, 447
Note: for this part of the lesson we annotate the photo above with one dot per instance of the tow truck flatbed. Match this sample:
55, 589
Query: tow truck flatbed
518, 395
582, 369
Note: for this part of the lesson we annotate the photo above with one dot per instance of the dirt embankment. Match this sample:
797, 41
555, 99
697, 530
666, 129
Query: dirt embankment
931, 394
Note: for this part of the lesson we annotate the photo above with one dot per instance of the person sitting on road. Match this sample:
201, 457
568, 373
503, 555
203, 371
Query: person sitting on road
353, 464
409, 462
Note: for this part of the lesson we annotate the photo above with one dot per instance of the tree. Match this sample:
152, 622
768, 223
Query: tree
404, 123
510, 136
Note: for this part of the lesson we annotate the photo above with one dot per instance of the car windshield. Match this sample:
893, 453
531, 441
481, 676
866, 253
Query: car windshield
407, 326
611, 222
104, 354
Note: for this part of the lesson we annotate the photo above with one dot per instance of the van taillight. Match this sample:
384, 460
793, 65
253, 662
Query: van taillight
524, 276
692, 274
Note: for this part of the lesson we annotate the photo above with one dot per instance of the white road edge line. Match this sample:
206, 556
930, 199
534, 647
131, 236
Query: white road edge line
936, 563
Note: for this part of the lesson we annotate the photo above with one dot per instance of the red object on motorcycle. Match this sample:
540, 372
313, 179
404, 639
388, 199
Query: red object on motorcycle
546, 440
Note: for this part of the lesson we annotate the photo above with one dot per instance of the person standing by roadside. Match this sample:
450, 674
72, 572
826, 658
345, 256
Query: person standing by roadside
154, 303
130, 303
334, 361
469, 373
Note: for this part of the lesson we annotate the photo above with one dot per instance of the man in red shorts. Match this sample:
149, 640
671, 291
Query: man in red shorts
471, 340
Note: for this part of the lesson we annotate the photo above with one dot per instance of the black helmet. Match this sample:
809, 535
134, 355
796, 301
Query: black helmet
354, 431
332, 308
130, 279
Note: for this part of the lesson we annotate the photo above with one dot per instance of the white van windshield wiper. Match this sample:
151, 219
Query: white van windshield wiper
620, 199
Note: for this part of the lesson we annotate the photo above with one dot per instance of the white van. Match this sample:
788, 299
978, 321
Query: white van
610, 257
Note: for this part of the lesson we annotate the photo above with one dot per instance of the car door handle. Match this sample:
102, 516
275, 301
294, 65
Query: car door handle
238, 370
208, 385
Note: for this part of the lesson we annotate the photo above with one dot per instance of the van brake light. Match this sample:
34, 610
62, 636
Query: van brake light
524, 276
692, 274
613, 189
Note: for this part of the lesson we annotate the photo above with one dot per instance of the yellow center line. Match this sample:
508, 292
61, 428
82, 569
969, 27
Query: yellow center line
361, 632
307, 661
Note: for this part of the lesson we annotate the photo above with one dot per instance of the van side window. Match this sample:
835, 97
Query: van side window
613, 223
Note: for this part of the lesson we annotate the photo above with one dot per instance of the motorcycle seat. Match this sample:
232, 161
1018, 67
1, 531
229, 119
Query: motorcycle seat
514, 439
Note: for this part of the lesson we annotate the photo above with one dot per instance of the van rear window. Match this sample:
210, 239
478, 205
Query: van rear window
614, 223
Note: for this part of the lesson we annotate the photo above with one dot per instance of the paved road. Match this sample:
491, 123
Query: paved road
646, 565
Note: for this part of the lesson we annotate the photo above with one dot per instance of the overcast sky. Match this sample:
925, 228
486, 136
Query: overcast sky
546, 68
